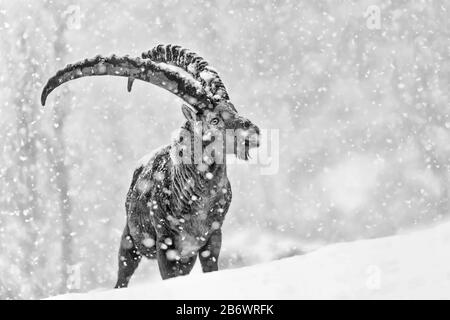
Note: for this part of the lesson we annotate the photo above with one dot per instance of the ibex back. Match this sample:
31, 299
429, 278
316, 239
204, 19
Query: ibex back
179, 195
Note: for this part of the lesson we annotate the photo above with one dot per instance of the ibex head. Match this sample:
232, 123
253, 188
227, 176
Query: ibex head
232, 133
186, 75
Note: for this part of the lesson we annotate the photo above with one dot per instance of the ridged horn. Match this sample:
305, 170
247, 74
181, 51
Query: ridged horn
193, 64
162, 75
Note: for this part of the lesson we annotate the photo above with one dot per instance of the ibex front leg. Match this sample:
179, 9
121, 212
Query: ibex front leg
209, 254
129, 258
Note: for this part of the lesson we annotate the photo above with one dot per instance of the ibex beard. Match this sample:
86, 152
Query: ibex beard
180, 194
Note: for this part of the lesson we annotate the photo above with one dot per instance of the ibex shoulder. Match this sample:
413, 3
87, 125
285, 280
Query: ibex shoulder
150, 157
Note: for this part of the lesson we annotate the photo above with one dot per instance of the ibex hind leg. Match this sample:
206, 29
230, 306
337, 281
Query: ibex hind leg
209, 254
129, 258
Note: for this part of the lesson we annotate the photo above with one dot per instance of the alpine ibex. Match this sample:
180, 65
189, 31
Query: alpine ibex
177, 201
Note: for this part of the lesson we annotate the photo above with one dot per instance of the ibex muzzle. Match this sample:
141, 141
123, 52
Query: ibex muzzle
179, 195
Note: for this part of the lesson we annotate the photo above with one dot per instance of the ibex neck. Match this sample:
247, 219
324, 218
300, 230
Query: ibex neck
194, 183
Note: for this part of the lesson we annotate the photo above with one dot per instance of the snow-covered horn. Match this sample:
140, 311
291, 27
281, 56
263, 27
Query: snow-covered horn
163, 75
192, 64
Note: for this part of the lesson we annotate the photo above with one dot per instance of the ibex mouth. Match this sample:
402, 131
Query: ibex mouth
250, 142
253, 141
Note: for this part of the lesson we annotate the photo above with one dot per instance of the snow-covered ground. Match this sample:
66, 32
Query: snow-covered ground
408, 266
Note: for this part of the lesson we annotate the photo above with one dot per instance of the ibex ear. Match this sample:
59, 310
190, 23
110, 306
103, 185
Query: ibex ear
189, 113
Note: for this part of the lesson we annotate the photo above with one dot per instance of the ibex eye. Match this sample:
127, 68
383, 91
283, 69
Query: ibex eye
214, 121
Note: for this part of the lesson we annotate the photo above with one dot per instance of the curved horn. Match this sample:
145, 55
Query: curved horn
191, 63
164, 76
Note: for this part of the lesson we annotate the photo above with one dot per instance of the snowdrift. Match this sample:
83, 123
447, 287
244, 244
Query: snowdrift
408, 266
